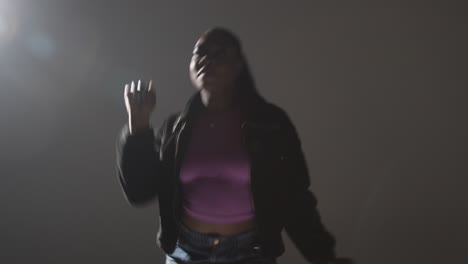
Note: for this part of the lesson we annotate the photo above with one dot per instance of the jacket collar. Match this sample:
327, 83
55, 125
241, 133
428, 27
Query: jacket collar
251, 106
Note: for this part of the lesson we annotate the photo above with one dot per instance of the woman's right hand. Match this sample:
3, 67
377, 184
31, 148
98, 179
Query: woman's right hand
140, 101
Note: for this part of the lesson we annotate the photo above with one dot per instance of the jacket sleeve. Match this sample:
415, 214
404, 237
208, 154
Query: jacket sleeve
139, 167
303, 223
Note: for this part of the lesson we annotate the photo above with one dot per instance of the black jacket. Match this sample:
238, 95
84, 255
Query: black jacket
148, 168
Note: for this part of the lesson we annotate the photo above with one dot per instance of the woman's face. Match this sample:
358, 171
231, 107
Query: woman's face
215, 65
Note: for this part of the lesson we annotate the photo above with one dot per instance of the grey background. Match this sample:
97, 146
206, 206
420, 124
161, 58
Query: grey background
377, 91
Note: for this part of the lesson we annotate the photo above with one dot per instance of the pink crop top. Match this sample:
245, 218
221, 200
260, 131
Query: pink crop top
215, 172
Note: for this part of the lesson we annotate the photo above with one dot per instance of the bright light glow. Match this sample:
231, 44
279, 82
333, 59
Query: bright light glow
7, 23
3, 26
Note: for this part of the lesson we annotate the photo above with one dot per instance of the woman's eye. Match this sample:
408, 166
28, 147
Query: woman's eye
219, 55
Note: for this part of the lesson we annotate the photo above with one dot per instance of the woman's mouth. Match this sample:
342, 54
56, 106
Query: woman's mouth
201, 70
206, 76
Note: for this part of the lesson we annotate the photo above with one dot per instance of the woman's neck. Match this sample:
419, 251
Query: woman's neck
217, 102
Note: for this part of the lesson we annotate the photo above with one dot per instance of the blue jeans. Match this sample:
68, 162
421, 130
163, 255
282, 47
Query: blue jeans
198, 248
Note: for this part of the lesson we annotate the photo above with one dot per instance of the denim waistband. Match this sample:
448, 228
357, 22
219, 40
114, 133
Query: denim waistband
202, 240
194, 247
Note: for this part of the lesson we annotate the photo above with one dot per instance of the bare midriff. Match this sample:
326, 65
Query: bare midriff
224, 229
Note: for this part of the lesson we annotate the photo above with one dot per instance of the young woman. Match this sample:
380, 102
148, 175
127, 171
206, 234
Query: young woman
228, 170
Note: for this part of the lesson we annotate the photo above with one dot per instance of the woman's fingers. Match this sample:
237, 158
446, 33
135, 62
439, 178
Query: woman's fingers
140, 93
132, 87
126, 89
151, 93
139, 86
150, 86
126, 92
